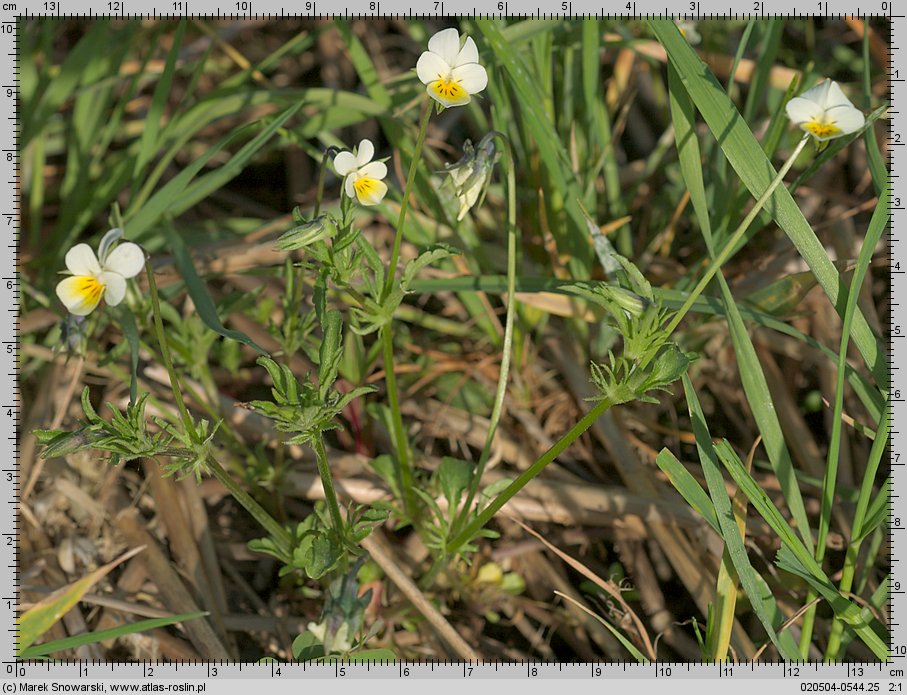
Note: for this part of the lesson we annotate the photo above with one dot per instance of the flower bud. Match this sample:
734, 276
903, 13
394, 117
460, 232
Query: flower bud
306, 234
470, 176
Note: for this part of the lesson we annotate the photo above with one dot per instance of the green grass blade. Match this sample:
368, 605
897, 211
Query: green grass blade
211, 182
45, 613
751, 375
768, 51
877, 225
562, 182
179, 194
599, 125
112, 633
796, 558
197, 290
756, 171
757, 590
688, 487
876, 164
149, 146
876, 513
92, 47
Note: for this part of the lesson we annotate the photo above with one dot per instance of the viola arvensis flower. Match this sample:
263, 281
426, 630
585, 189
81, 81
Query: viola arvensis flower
93, 278
824, 112
451, 74
363, 177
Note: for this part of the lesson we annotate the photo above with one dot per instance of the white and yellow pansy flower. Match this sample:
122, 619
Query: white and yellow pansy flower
689, 30
363, 177
91, 278
451, 73
824, 112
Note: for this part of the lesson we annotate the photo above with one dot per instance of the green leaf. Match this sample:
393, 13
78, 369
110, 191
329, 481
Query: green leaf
112, 633
41, 617
760, 596
307, 646
204, 304
433, 253
330, 352
59, 443
372, 656
454, 476
877, 513
688, 488
754, 382
150, 145
796, 557
179, 194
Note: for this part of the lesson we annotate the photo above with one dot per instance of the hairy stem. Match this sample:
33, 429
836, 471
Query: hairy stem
188, 422
526, 476
330, 496
258, 512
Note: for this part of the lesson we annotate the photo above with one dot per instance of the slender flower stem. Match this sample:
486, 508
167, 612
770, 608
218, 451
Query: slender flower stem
512, 237
188, 422
324, 470
730, 247
319, 192
250, 505
404, 206
240, 495
526, 476
404, 466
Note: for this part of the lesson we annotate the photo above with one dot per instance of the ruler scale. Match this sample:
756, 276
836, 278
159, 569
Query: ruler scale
16, 674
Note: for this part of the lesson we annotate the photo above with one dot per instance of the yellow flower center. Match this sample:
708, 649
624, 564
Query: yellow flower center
449, 91
822, 130
365, 186
90, 289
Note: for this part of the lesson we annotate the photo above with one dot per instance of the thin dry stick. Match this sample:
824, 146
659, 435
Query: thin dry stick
606, 586
172, 591
786, 624
63, 402
381, 555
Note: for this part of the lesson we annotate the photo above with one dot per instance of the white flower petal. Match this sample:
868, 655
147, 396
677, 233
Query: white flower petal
847, 118
446, 45
801, 110
468, 54
80, 260
114, 287
344, 163
348, 187
127, 259
80, 294
373, 194
374, 170
818, 94
431, 67
834, 96
365, 153
472, 77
